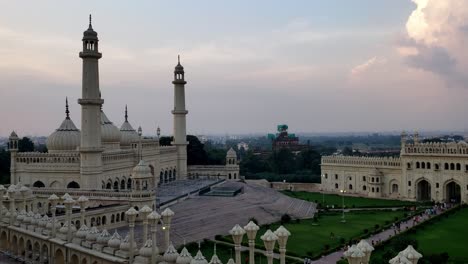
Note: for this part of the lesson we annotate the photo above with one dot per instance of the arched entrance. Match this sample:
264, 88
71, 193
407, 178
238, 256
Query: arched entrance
74, 259
3, 241
423, 191
452, 192
59, 257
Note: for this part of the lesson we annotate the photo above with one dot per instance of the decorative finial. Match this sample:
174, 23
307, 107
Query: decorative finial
90, 21
178, 59
67, 112
126, 114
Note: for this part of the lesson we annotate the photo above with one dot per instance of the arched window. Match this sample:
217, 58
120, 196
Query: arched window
436, 166
39, 184
378, 189
129, 183
446, 166
364, 188
108, 185
336, 185
452, 166
364, 178
408, 165
373, 190
458, 166
116, 185
73, 185
122, 184
423, 165
417, 165
350, 187
428, 165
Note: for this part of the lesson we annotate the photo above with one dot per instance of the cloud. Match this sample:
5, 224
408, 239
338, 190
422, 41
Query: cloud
435, 40
367, 66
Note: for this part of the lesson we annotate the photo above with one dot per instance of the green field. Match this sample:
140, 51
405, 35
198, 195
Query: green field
309, 238
349, 201
445, 234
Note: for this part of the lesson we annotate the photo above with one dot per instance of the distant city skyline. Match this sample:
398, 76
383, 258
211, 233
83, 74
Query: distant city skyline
318, 66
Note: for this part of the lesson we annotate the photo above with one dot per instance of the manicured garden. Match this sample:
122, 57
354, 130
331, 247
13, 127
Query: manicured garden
334, 200
315, 237
438, 239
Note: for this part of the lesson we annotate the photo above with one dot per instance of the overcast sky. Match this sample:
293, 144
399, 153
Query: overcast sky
316, 65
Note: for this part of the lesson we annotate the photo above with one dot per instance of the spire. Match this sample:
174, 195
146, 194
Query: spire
67, 112
90, 26
178, 59
126, 114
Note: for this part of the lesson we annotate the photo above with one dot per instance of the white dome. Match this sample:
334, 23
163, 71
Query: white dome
109, 132
66, 138
129, 135
142, 170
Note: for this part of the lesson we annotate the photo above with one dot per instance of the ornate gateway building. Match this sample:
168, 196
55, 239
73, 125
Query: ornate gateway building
424, 171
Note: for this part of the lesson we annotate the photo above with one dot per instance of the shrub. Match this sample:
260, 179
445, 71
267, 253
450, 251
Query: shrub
298, 221
376, 226
253, 219
327, 247
342, 240
366, 231
285, 219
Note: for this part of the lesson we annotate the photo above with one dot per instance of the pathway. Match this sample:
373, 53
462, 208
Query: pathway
382, 236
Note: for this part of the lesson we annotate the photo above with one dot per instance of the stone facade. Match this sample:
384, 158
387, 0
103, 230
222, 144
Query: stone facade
424, 171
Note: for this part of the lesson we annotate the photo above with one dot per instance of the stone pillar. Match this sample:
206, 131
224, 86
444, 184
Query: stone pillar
154, 219
237, 234
82, 200
53, 203
269, 240
2, 192
283, 235
145, 211
131, 215
11, 194
251, 229
69, 202
167, 215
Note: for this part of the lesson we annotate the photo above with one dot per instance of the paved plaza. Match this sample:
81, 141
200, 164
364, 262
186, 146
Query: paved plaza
201, 217
171, 190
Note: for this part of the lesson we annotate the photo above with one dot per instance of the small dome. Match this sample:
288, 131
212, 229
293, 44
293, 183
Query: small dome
109, 132
90, 34
231, 153
178, 68
129, 134
142, 170
66, 138
13, 135
184, 257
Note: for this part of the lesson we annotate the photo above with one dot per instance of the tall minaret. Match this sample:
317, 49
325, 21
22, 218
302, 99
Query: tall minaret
91, 102
179, 112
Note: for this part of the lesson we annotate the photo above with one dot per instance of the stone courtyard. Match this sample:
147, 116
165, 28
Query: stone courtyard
200, 217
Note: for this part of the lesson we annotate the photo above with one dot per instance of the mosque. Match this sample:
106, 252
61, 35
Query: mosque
100, 156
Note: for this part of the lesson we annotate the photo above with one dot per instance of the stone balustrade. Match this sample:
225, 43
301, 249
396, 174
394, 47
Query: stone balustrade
390, 162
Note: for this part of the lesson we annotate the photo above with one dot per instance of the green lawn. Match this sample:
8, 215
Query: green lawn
349, 201
309, 238
446, 234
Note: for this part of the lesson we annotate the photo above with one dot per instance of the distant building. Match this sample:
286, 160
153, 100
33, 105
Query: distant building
282, 139
243, 145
